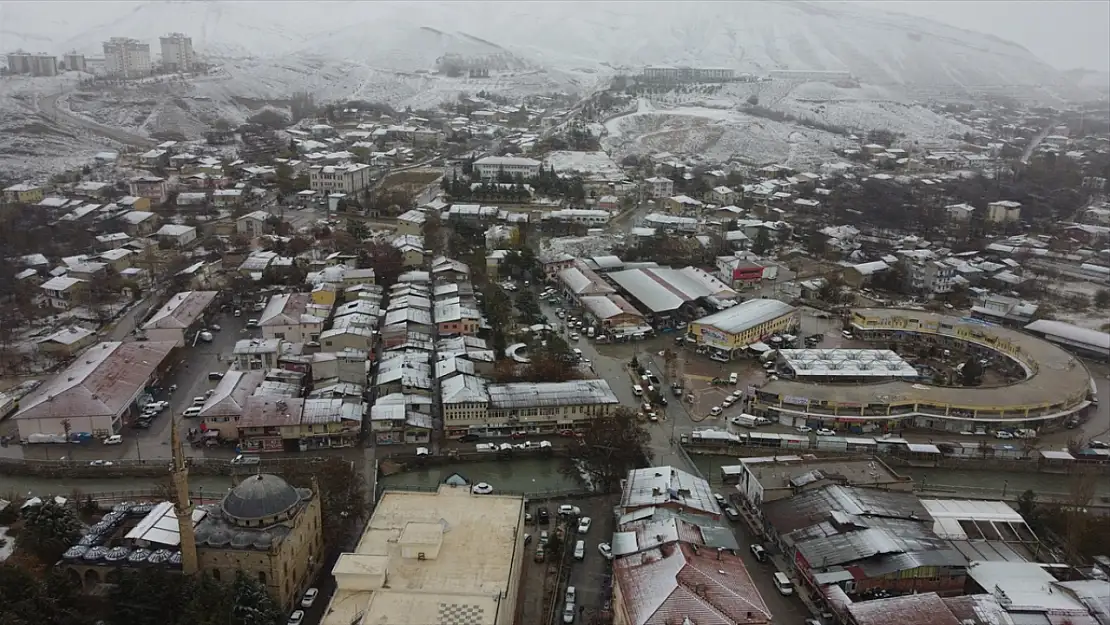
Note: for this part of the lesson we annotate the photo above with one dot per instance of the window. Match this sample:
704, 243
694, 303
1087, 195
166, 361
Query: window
262, 577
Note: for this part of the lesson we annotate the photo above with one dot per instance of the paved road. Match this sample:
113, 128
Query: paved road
609, 363
50, 108
1025, 156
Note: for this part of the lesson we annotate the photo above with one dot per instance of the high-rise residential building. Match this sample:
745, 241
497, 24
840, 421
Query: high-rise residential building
177, 53
21, 62
126, 57
75, 62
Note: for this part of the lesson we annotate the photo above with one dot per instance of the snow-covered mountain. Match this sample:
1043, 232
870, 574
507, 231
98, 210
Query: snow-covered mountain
879, 48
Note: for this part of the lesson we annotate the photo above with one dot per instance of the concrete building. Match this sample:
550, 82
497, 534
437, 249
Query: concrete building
32, 64
178, 235
177, 318
659, 187
94, 393
152, 188
177, 53
490, 167
126, 58
1004, 211
66, 342
470, 406
443, 557
727, 332
292, 317
75, 62
925, 274
64, 292
687, 74
350, 178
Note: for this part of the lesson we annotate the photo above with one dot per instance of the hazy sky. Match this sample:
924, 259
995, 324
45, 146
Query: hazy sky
1064, 33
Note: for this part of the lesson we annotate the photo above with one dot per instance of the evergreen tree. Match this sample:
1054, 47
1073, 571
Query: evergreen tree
253, 605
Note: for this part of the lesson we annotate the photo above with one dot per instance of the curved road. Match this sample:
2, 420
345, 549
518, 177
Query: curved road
1037, 141
49, 108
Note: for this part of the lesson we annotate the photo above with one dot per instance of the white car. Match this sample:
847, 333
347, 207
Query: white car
846, 334
296, 618
101, 463
733, 378
574, 336
571, 595
714, 411
825, 432
1004, 435
114, 439
309, 597
481, 488
569, 510
728, 402
804, 429
605, 550
584, 524
736, 395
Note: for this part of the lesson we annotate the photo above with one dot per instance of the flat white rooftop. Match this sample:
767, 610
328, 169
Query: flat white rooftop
470, 548
847, 363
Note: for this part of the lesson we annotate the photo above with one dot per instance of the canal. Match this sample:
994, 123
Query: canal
533, 476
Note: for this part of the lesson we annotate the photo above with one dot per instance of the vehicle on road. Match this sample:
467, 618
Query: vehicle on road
206, 336
469, 438
309, 597
571, 595
544, 537
580, 550
846, 334
101, 463
732, 513
252, 323
191, 412
825, 432
245, 459
714, 411
568, 613
482, 488
1095, 444
605, 550
733, 378
584, 524
783, 584
1004, 435
543, 516
296, 618
574, 336
728, 402
539, 557
758, 552
238, 312
114, 439
215, 375
804, 429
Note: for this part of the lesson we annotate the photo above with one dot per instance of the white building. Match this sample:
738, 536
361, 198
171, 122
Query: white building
925, 274
581, 216
350, 178
1003, 211
490, 167
177, 53
126, 57
659, 187
75, 62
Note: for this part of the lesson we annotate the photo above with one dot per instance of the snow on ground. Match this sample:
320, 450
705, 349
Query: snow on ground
33, 147
867, 107
720, 135
8, 546
597, 164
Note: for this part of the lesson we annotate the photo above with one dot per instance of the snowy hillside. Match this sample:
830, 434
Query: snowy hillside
719, 135
880, 48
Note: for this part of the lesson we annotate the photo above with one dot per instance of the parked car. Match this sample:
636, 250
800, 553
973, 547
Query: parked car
296, 618
215, 375
605, 550
584, 524
571, 594
539, 557
309, 597
714, 411
568, 613
469, 438
566, 510
544, 537
580, 550
543, 516
825, 432
245, 459
733, 378
1004, 435
114, 439
758, 552
732, 513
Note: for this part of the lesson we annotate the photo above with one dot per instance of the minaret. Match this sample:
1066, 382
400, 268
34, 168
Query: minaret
182, 506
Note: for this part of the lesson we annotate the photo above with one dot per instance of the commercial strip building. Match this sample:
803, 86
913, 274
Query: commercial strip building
443, 557
1056, 385
1084, 341
671, 296
726, 334
472, 406
96, 392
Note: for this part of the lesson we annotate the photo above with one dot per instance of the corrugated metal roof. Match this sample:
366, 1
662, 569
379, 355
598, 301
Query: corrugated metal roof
746, 315
1085, 336
921, 609
572, 393
657, 486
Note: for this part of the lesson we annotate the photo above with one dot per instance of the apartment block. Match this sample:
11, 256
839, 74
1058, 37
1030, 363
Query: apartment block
177, 52
350, 178
126, 58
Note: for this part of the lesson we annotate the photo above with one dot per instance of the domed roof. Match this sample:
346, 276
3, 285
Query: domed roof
260, 497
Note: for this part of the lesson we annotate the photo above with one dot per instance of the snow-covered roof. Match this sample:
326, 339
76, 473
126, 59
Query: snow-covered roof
659, 486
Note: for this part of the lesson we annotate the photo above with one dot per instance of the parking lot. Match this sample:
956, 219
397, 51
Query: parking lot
544, 584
